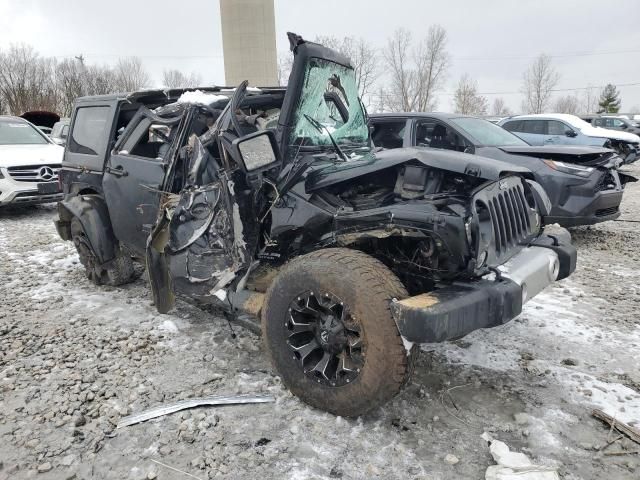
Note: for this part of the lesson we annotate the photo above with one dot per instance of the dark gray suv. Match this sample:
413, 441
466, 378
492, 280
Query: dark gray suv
616, 123
583, 182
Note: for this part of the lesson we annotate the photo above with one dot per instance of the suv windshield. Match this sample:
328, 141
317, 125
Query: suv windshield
330, 96
486, 133
13, 132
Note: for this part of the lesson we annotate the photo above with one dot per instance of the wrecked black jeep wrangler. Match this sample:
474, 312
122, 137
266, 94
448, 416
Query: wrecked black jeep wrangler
274, 202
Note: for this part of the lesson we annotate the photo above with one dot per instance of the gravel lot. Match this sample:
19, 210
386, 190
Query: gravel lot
74, 358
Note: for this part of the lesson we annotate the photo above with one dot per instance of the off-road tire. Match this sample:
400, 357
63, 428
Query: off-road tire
118, 271
367, 286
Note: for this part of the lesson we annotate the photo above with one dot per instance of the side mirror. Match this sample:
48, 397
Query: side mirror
257, 151
623, 126
571, 133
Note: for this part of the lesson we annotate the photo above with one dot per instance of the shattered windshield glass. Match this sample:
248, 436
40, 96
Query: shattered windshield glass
330, 96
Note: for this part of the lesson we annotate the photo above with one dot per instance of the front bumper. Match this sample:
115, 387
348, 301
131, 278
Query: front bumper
13, 192
586, 203
458, 309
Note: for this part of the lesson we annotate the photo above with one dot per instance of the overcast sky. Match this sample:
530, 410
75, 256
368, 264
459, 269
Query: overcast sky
593, 42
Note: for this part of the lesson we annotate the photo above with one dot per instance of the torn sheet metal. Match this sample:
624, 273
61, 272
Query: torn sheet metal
214, 400
514, 465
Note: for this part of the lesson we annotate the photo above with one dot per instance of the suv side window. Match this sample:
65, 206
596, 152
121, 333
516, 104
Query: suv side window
556, 128
513, 126
87, 136
424, 132
431, 133
388, 134
536, 127
147, 140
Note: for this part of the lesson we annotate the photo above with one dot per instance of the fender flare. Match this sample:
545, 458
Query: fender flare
93, 215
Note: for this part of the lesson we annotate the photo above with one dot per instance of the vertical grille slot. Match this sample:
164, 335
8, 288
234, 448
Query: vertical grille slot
516, 213
510, 215
523, 208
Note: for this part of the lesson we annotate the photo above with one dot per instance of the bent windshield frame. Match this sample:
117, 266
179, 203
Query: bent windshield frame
329, 92
487, 134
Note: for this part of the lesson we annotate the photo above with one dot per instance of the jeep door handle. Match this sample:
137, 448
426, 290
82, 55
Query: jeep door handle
118, 171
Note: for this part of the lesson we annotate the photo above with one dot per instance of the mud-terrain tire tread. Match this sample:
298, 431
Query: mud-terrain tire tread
118, 271
381, 285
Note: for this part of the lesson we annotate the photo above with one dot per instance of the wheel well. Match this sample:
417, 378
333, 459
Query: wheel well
88, 191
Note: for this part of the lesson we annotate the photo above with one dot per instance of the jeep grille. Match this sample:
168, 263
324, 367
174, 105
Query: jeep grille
506, 219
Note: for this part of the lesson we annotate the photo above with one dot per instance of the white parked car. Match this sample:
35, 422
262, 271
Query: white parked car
29, 164
563, 129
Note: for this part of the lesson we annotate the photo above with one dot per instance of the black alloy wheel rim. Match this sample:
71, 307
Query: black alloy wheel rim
325, 340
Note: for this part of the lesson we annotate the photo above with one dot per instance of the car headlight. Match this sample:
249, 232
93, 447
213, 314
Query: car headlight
569, 168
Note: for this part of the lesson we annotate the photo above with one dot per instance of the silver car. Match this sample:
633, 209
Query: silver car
564, 129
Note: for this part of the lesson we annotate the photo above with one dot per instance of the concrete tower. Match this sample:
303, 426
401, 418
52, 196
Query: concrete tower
249, 42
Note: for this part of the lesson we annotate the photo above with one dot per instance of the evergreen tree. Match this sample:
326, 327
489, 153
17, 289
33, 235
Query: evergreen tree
609, 100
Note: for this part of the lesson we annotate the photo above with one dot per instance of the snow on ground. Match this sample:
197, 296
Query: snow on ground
74, 358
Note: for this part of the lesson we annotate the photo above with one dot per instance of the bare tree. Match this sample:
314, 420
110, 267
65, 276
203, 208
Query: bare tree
31, 82
432, 61
100, 80
176, 79
466, 99
567, 104
70, 83
396, 55
416, 75
74, 79
590, 97
363, 57
131, 74
285, 63
26, 80
539, 81
380, 104
499, 108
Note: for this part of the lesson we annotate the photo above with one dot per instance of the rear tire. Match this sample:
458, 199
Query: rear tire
118, 271
304, 304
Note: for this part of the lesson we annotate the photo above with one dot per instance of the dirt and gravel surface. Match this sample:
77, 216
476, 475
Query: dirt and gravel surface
75, 358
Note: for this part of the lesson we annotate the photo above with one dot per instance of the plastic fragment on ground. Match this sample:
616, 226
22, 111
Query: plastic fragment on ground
514, 465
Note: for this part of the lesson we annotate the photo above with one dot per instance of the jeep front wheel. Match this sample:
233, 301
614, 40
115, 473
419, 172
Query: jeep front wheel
330, 334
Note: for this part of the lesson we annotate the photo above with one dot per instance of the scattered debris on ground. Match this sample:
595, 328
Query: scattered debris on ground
214, 400
514, 465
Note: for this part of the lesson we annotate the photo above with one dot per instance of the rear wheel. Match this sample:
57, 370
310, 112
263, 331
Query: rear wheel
115, 272
329, 331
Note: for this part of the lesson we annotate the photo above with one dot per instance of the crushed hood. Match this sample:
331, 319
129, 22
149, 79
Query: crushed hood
564, 153
456, 162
